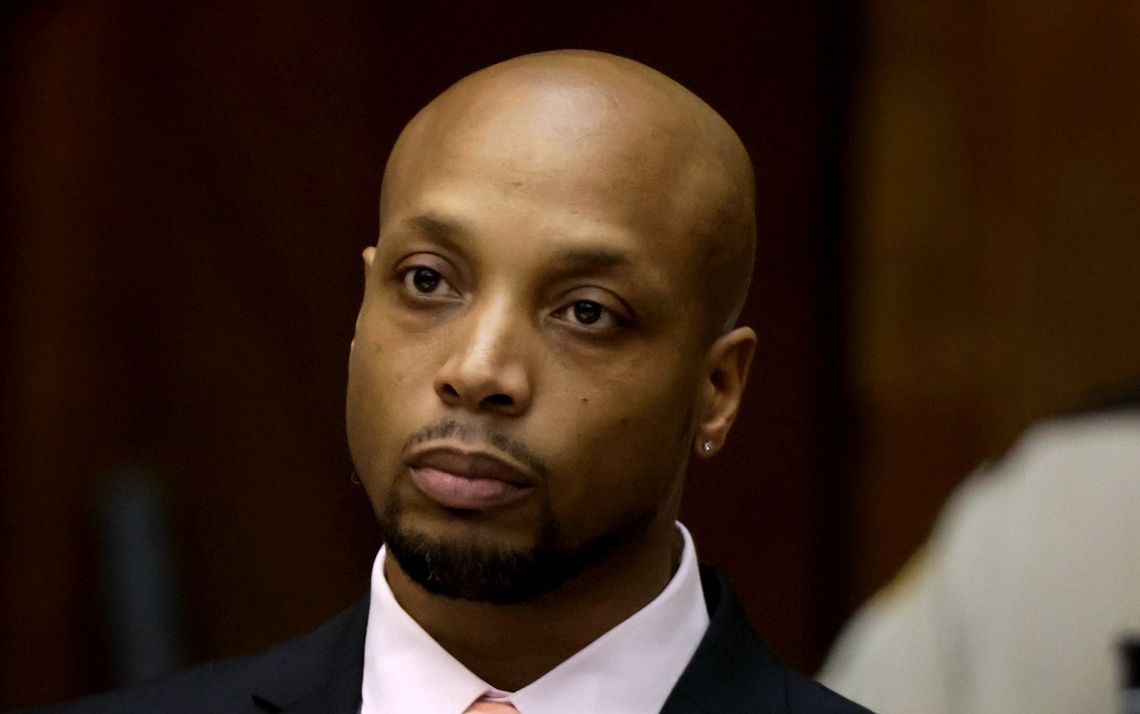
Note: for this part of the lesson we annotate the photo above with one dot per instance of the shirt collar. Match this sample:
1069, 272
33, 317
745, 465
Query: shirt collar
628, 670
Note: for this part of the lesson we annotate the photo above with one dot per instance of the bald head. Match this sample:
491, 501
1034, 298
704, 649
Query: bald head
607, 127
565, 239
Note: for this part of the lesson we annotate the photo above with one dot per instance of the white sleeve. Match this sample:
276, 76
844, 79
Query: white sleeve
1029, 580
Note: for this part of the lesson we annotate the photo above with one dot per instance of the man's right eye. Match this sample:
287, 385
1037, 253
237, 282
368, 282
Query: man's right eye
420, 280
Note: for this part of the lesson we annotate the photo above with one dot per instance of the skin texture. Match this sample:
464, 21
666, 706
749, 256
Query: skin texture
565, 239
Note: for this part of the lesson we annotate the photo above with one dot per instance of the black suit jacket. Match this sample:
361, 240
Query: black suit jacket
320, 673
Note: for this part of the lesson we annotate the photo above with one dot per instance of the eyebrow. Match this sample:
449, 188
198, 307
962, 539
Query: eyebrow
585, 259
438, 227
568, 258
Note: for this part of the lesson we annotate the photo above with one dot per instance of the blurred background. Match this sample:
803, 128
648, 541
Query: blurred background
950, 249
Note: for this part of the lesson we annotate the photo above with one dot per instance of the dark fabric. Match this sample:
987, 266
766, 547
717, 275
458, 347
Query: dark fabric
732, 671
318, 672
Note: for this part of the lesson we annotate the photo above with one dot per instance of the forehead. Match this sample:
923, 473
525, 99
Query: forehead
564, 163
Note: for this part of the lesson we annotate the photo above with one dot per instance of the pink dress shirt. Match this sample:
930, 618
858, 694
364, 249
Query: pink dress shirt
628, 670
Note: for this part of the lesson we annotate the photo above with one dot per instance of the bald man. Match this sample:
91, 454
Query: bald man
546, 338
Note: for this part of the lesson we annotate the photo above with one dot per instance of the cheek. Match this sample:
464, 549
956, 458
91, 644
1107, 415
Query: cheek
623, 451
644, 406
381, 409
364, 415
385, 372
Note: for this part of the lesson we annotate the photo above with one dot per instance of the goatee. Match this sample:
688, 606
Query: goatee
483, 572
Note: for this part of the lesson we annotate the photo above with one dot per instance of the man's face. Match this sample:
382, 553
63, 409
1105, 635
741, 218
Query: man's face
528, 352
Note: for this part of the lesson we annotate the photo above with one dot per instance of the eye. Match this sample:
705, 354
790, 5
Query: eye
587, 312
421, 280
590, 314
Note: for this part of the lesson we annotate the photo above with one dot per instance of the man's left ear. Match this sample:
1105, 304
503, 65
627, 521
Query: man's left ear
726, 373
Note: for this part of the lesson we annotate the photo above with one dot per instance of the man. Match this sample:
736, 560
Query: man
566, 240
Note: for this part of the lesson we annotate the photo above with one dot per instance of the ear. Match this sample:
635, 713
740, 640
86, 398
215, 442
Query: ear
368, 255
726, 373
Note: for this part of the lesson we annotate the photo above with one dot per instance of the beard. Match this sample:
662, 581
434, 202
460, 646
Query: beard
489, 573
486, 572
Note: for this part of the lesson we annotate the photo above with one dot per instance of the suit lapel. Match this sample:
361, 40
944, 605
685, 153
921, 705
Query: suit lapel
339, 694
732, 670
320, 672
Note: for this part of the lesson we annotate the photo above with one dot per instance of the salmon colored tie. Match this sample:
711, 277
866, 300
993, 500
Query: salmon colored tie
487, 707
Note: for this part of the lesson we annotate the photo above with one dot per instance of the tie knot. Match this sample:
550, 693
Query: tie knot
485, 706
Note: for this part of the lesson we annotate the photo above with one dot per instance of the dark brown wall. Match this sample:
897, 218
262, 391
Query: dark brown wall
995, 241
187, 189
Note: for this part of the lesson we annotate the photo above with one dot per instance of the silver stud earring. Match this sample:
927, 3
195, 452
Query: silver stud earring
706, 447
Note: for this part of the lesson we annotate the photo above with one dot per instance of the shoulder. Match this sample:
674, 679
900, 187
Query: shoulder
733, 670
253, 683
807, 696
216, 686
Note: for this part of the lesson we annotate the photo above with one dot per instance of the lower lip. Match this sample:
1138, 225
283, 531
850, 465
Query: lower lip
471, 494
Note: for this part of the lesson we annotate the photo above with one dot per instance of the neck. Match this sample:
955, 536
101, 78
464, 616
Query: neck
510, 646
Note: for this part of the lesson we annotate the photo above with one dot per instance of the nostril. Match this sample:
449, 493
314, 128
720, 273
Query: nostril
449, 390
500, 400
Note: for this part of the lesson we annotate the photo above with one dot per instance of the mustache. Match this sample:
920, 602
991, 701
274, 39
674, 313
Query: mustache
449, 428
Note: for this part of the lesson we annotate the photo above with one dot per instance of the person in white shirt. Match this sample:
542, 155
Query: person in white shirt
1021, 598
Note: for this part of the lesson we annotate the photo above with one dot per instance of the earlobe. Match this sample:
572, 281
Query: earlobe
730, 358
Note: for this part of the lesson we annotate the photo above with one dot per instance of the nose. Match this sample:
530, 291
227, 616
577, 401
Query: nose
486, 370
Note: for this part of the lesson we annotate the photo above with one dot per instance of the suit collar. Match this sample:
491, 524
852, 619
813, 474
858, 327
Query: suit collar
323, 669
339, 694
732, 670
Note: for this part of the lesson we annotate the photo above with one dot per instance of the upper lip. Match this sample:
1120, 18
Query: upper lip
470, 463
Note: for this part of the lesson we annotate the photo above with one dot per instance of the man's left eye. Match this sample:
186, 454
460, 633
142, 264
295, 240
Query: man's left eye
589, 313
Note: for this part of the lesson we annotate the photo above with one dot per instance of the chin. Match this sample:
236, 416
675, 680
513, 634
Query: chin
457, 556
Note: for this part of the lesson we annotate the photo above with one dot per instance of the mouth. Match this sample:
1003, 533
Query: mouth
468, 480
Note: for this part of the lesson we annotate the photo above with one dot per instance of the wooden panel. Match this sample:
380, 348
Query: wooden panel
995, 272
